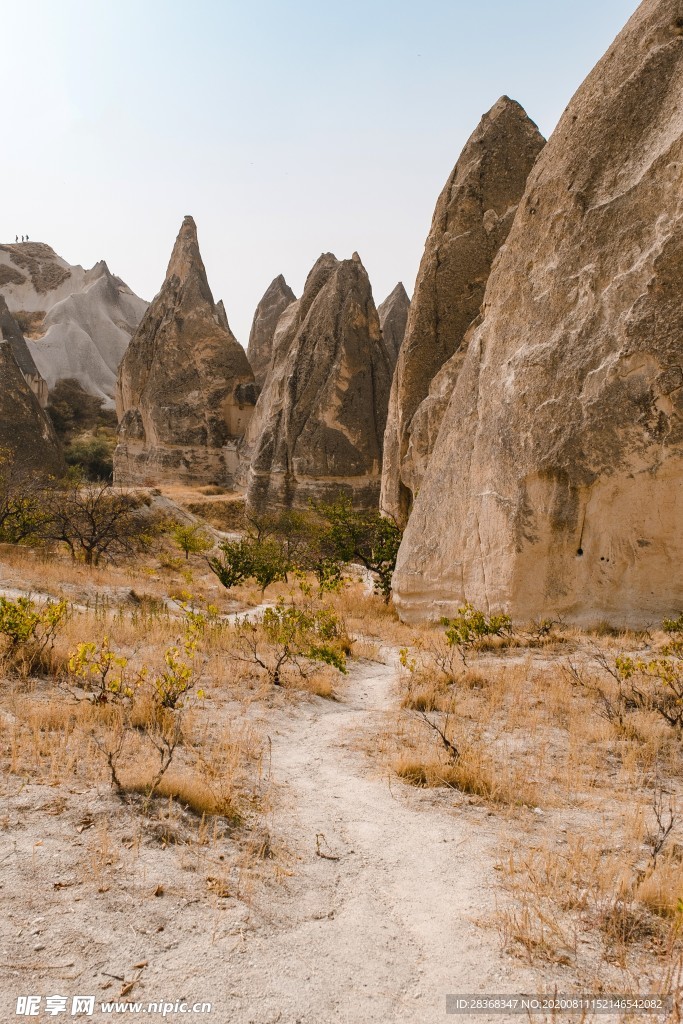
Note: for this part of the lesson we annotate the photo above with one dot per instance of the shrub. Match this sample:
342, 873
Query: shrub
657, 683
234, 565
294, 636
29, 629
103, 673
145, 703
94, 454
21, 506
470, 626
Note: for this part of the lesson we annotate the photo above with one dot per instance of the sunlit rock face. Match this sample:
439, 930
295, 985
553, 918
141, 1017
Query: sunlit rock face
185, 390
473, 216
556, 483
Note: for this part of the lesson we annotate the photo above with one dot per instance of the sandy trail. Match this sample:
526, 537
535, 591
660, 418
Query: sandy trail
385, 931
381, 933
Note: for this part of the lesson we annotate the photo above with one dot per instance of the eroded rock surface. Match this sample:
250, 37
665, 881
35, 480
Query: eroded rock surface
11, 332
556, 484
25, 430
473, 216
322, 411
185, 389
77, 323
393, 318
277, 297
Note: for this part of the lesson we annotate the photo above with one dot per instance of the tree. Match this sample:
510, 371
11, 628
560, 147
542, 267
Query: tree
262, 560
96, 521
291, 529
21, 505
365, 536
235, 563
269, 563
191, 539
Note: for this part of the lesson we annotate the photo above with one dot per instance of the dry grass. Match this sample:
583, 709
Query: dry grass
580, 886
367, 616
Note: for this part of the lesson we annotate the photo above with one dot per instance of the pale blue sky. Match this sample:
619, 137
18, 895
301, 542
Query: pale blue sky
285, 127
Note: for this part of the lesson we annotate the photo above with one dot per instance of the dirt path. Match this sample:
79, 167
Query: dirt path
380, 934
386, 930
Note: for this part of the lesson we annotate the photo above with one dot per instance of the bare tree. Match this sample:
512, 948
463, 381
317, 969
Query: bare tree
96, 521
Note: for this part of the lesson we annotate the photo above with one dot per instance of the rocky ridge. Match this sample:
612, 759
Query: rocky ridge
77, 323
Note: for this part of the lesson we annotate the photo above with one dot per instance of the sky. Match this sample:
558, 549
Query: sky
286, 128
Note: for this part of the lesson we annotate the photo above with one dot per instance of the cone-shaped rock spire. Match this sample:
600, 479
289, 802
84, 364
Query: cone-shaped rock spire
276, 298
393, 318
322, 411
471, 221
185, 389
555, 486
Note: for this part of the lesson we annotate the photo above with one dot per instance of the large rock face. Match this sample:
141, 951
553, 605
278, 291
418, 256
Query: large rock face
271, 392
11, 332
393, 318
25, 429
77, 322
322, 411
185, 389
277, 297
473, 216
556, 484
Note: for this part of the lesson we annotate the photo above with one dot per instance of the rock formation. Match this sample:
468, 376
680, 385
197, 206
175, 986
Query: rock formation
556, 484
322, 411
77, 322
277, 297
473, 216
185, 390
11, 332
273, 386
393, 317
25, 429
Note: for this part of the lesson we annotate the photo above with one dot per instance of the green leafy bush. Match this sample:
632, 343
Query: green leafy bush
94, 454
344, 534
470, 626
29, 630
287, 635
192, 539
